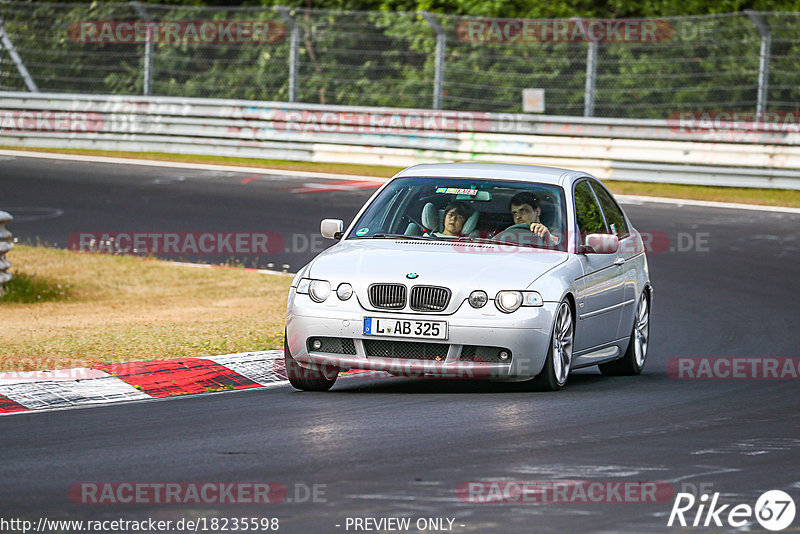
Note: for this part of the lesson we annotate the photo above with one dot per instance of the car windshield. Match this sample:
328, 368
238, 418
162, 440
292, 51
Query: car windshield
467, 209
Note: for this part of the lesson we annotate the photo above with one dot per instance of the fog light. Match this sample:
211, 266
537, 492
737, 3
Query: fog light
478, 299
504, 355
316, 344
344, 291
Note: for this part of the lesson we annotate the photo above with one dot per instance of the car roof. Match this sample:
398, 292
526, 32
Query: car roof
494, 171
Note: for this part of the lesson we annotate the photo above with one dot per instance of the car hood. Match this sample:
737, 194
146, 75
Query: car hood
462, 267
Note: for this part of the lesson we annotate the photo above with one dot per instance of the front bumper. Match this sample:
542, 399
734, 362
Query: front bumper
525, 333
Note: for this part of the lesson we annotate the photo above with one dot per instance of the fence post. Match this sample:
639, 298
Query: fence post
763, 62
591, 71
5, 40
591, 79
294, 38
148, 49
5, 246
438, 76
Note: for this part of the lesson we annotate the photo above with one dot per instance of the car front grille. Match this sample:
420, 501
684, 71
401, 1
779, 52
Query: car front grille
332, 345
387, 296
477, 353
407, 350
429, 298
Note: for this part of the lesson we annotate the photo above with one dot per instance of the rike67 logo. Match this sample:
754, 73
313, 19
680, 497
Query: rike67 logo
774, 510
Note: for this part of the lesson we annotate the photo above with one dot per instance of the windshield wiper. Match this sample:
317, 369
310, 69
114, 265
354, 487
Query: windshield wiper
471, 239
485, 240
400, 236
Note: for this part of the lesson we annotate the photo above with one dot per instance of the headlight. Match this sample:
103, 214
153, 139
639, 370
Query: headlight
508, 301
344, 291
478, 299
319, 290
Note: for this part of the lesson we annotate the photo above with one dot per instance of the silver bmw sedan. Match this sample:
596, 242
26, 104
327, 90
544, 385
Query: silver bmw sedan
475, 271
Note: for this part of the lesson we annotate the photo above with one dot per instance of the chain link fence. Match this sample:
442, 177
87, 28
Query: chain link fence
744, 62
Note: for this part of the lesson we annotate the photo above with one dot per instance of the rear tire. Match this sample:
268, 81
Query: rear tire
632, 362
308, 379
559, 355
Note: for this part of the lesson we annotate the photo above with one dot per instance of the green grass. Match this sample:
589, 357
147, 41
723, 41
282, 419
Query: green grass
26, 288
742, 195
71, 309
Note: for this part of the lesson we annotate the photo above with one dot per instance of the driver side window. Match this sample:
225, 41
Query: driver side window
587, 211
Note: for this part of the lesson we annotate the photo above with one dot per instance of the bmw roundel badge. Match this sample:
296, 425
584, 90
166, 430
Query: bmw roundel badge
412, 276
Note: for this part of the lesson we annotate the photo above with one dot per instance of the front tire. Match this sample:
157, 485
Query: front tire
559, 355
632, 362
308, 379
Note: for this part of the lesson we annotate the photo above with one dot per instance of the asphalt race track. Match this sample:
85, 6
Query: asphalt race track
54, 200
726, 286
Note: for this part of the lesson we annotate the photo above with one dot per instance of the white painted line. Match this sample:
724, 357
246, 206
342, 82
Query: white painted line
185, 165
278, 273
636, 199
248, 269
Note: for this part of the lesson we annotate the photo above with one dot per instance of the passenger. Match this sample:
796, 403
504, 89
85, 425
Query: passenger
525, 210
455, 215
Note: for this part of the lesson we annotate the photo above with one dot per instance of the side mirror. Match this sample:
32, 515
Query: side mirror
601, 244
331, 228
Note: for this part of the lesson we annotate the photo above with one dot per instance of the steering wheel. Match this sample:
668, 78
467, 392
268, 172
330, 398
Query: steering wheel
512, 227
519, 234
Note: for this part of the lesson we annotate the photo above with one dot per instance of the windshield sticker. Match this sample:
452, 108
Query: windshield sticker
362, 231
456, 191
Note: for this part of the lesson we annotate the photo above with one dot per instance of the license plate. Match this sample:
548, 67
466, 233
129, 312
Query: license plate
388, 326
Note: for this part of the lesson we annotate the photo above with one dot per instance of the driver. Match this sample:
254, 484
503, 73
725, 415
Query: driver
525, 209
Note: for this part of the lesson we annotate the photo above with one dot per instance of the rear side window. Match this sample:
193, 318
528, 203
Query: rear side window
587, 211
614, 216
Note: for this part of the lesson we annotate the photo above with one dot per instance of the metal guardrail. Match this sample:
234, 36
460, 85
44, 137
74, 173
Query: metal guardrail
5, 246
640, 150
